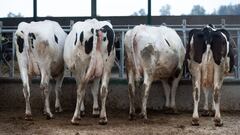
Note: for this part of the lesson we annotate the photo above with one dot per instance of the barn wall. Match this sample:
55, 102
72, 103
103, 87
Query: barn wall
12, 97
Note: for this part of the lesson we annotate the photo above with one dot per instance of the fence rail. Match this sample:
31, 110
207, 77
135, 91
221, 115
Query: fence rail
9, 68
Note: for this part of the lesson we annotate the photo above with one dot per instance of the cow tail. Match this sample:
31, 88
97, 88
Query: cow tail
92, 64
208, 68
135, 57
208, 53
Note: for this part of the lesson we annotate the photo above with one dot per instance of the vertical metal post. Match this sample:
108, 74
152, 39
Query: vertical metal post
149, 17
94, 8
223, 22
13, 56
71, 24
238, 62
35, 10
1, 24
122, 56
184, 25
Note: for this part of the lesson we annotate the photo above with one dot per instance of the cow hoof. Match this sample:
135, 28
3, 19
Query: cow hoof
205, 113
79, 118
195, 122
143, 116
96, 112
75, 122
218, 122
132, 116
49, 116
82, 113
28, 117
58, 109
103, 121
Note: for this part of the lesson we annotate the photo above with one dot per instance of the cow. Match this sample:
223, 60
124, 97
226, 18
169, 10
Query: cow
209, 57
154, 53
89, 53
39, 49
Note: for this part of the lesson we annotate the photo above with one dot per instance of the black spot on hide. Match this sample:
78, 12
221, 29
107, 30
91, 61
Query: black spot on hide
167, 42
89, 45
32, 37
56, 39
81, 37
218, 46
92, 30
75, 42
110, 37
20, 43
104, 39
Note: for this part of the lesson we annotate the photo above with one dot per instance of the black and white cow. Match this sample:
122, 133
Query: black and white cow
90, 54
154, 53
39, 48
210, 56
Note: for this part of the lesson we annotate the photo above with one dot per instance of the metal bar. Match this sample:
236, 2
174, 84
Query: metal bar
121, 75
13, 56
1, 24
149, 17
223, 23
184, 22
238, 62
94, 8
35, 10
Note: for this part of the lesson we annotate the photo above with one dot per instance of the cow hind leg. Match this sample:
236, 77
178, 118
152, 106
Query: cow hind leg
95, 91
212, 111
206, 111
44, 86
173, 93
146, 88
80, 96
58, 93
166, 87
217, 117
26, 93
82, 110
218, 80
131, 95
196, 98
103, 94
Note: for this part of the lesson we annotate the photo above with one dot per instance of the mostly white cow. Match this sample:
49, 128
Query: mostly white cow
89, 53
39, 48
209, 56
154, 53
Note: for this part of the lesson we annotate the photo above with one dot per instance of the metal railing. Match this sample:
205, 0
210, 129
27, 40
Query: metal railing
120, 30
